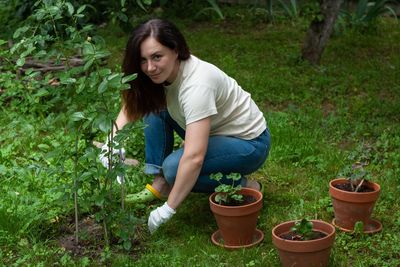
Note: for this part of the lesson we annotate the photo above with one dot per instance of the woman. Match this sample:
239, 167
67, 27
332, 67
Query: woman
223, 129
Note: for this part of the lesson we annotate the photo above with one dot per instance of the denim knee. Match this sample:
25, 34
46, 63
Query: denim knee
170, 169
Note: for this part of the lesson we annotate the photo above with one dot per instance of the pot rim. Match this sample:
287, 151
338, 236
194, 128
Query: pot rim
305, 245
373, 185
257, 194
357, 197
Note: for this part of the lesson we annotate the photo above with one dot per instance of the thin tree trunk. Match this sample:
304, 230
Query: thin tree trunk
320, 30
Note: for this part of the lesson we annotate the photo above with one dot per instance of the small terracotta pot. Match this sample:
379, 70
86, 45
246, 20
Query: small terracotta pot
304, 253
351, 207
237, 224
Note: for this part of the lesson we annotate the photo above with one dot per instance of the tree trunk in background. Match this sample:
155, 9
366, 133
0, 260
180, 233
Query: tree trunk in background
320, 30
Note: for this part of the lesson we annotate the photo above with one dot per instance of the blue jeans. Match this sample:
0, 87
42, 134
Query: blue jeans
225, 154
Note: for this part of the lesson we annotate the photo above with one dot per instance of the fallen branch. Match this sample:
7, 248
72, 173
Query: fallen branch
51, 65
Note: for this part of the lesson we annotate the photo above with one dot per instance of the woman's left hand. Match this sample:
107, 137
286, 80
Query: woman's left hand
159, 216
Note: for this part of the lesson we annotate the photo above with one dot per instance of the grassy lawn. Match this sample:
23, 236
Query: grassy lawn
321, 119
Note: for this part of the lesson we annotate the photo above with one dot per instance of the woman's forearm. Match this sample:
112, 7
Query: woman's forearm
188, 172
196, 141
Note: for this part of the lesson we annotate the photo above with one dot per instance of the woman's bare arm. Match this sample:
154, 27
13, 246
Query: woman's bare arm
196, 142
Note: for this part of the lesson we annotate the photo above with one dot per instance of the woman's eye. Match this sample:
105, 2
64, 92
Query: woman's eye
143, 61
157, 57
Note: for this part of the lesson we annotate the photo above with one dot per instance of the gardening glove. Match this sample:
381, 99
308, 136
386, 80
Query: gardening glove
159, 216
116, 152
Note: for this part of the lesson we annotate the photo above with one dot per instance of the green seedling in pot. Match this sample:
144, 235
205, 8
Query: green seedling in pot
227, 193
303, 230
356, 174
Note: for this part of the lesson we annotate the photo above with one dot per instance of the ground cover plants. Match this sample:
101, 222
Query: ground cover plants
321, 118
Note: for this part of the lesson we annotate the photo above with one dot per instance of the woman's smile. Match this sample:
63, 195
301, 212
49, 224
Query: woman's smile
158, 62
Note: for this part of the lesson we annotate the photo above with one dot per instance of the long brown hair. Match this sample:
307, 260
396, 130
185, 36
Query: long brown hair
145, 96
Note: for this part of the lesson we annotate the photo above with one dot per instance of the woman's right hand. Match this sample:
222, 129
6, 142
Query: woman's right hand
117, 154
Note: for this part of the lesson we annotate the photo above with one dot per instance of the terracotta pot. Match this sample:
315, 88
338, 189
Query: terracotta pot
237, 224
304, 253
351, 207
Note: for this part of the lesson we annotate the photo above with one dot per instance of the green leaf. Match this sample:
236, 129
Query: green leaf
20, 31
114, 81
219, 198
104, 72
359, 228
125, 87
70, 8
88, 64
99, 201
3, 169
88, 48
41, 92
122, 17
80, 9
68, 80
3, 42
234, 176
77, 116
80, 88
43, 146
27, 51
102, 54
216, 176
140, 4
103, 123
103, 86
236, 197
20, 62
127, 244
129, 78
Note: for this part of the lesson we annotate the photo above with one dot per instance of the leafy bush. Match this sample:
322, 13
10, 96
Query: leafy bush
365, 16
80, 96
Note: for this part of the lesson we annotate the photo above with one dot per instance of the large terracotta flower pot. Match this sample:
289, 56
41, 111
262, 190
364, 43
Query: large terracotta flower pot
304, 253
351, 207
237, 224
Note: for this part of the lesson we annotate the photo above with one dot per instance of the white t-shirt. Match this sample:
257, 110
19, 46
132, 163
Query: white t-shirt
202, 90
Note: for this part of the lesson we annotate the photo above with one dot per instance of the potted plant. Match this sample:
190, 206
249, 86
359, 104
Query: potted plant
236, 211
304, 243
353, 198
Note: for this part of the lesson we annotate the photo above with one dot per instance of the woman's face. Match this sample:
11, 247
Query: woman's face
158, 62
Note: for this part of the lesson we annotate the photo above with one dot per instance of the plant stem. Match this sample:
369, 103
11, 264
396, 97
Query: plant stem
76, 187
359, 186
105, 232
123, 178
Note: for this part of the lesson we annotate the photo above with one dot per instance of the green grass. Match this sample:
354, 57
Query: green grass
321, 119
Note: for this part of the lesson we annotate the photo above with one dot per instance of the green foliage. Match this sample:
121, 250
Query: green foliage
91, 185
320, 119
213, 7
292, 9
303, 230
356, 173
228, 194
365, 16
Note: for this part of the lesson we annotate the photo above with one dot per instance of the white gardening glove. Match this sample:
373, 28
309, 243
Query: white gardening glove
116, 152
159, 216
